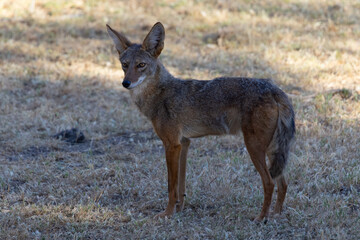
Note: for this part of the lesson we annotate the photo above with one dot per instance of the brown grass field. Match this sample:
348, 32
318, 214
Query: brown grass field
59, 70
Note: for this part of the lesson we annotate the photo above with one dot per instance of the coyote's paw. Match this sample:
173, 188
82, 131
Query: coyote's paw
180, 207
164, 214
260, 219
275, 214
277, 211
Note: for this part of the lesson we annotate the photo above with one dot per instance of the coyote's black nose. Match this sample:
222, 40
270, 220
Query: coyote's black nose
126, 83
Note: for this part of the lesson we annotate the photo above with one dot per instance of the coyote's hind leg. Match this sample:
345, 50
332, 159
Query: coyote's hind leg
281, 188
258, 158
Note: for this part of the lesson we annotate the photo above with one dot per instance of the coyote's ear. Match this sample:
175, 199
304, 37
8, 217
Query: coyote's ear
154, 41
120, 41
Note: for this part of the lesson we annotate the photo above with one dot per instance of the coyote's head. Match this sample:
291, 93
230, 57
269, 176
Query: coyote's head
138, 61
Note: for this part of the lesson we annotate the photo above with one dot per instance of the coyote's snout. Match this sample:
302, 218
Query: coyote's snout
184, 109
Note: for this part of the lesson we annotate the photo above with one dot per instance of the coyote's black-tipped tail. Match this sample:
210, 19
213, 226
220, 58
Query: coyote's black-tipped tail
278, 150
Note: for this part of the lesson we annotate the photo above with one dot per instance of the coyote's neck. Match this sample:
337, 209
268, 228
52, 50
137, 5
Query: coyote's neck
148, 93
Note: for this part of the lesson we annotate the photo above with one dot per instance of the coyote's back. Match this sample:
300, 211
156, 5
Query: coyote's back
182, 109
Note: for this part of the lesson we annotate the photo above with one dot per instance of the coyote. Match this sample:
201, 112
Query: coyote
183, 109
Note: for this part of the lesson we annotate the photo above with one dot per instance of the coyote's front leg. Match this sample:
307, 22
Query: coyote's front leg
172, 162
185, 142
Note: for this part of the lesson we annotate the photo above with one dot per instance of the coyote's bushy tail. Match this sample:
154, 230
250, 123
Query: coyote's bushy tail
278, 150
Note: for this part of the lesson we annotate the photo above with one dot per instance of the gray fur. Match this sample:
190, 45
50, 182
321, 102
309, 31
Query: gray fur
182, 109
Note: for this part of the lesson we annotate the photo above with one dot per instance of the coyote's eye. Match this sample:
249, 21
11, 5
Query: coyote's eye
141, 65
124, 65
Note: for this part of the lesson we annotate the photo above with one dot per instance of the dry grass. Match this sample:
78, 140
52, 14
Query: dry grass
58, 69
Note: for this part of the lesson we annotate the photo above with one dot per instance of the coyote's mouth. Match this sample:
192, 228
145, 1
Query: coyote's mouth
139, 81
